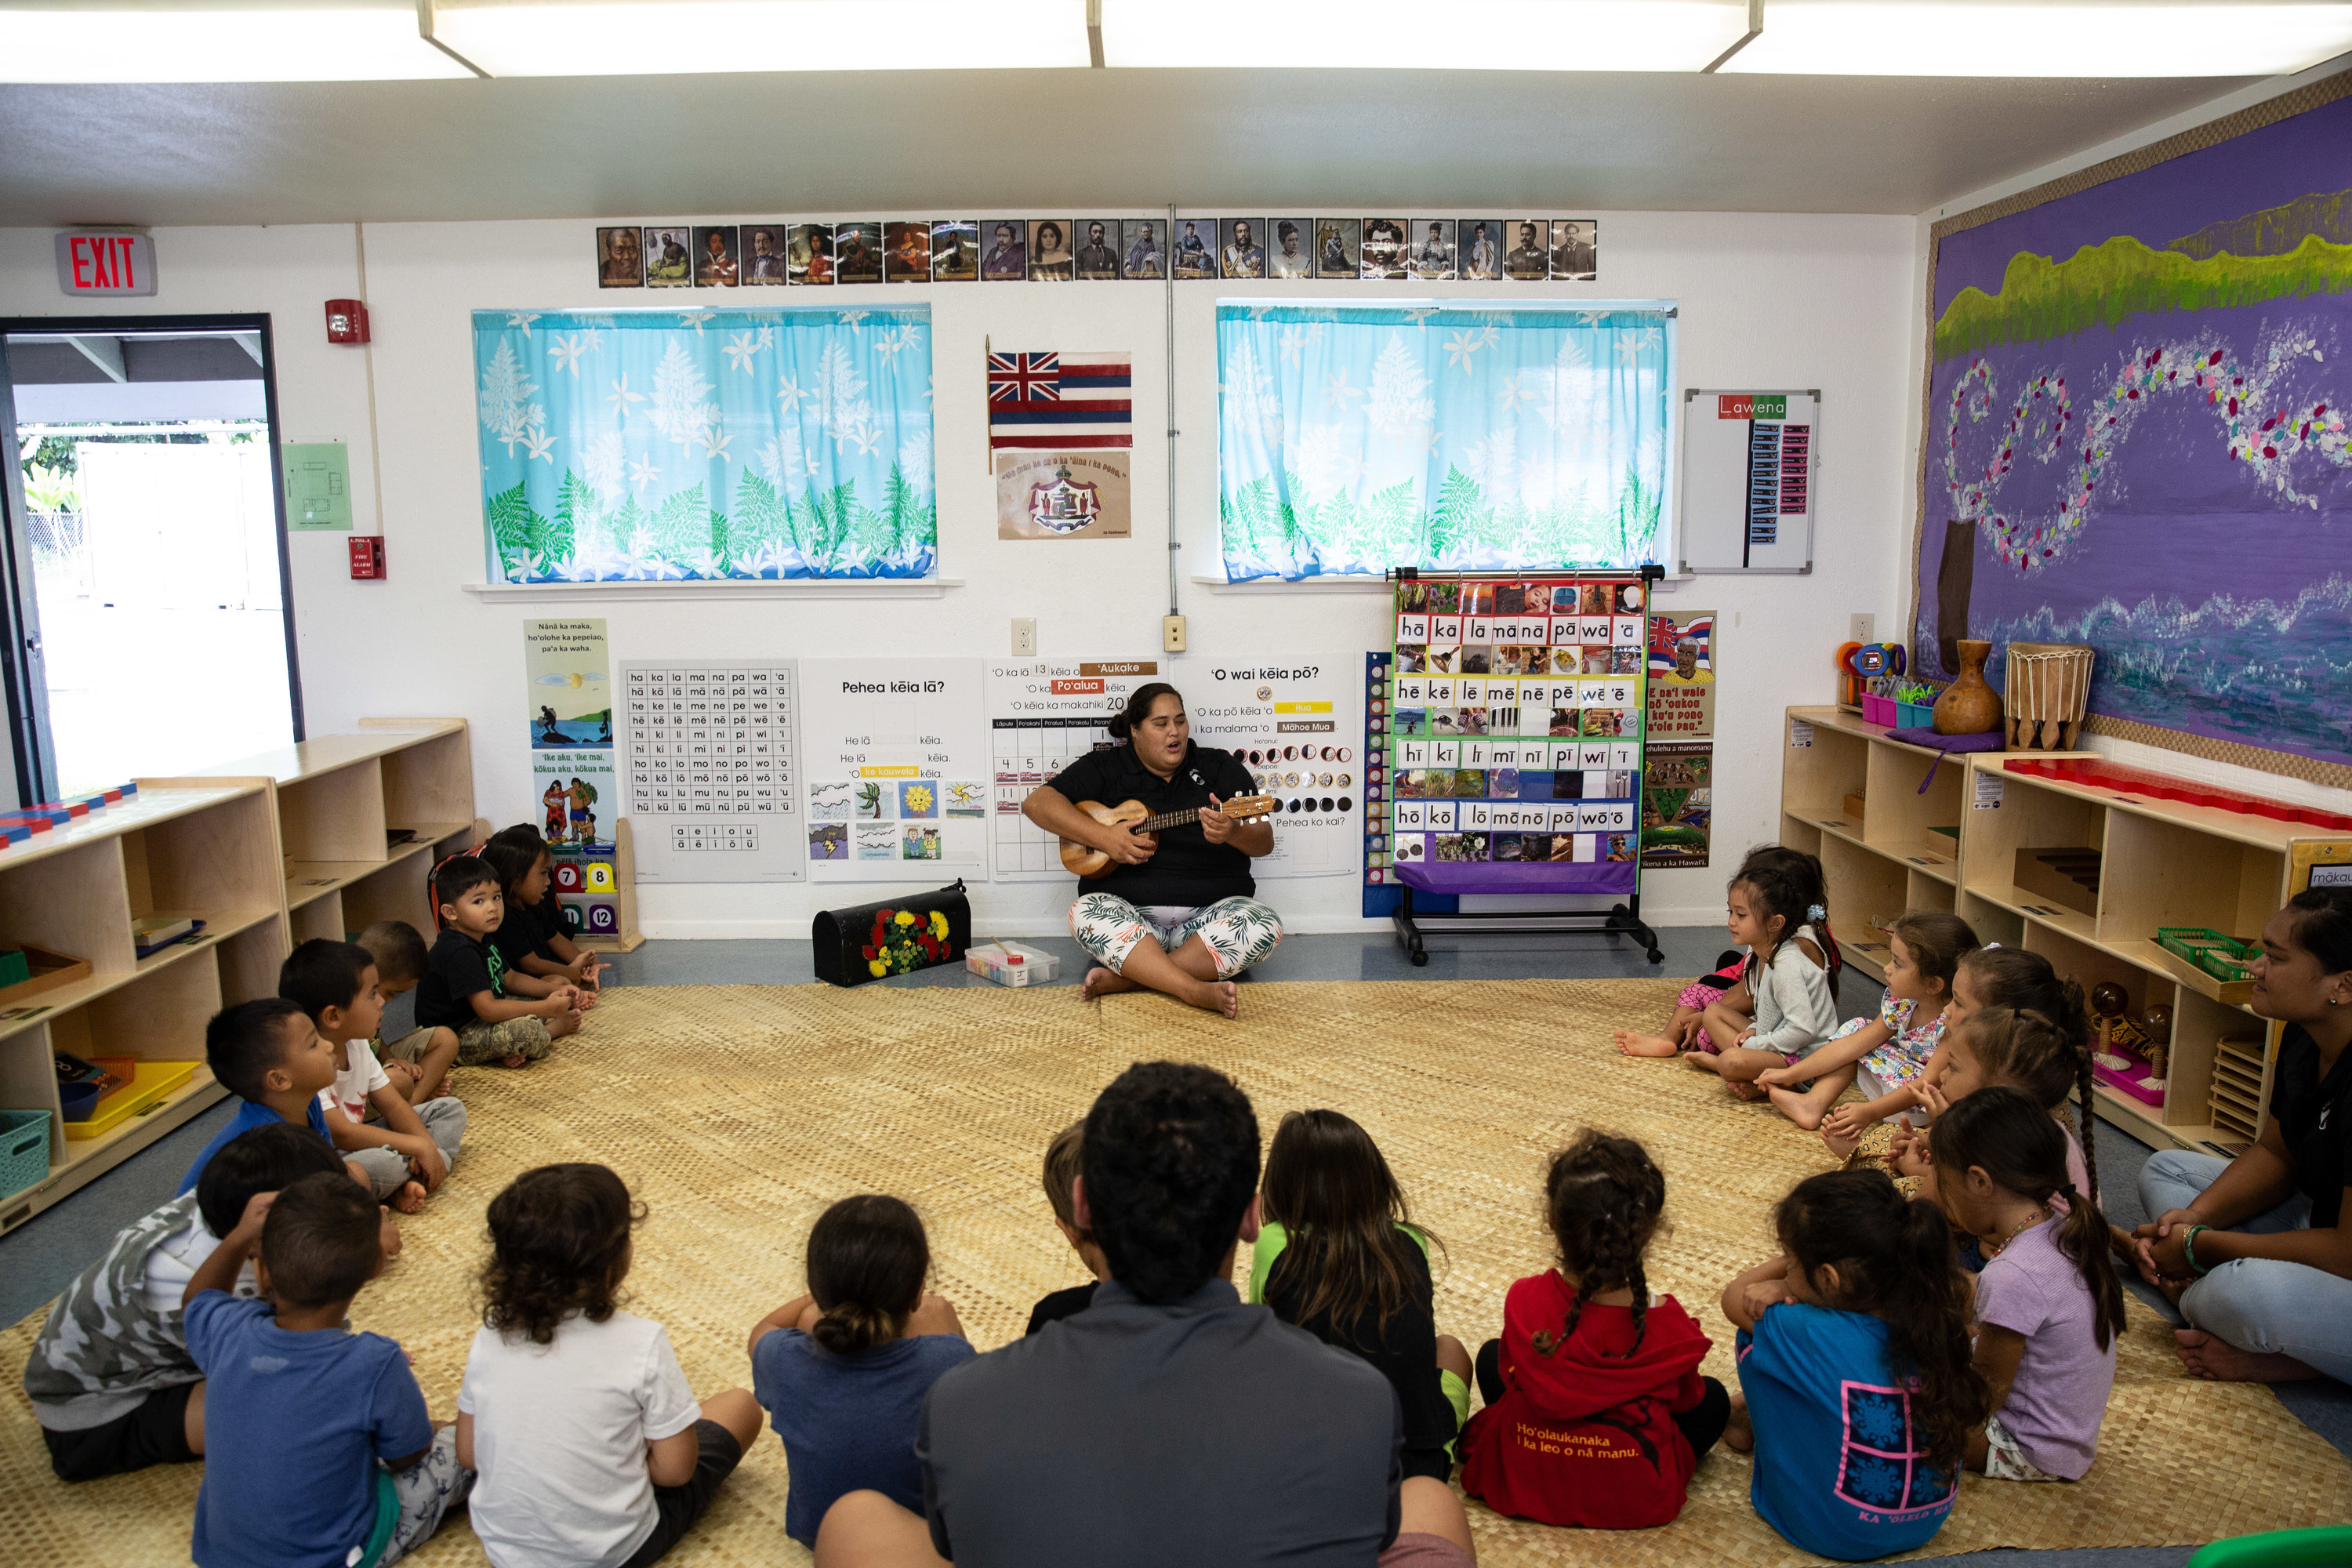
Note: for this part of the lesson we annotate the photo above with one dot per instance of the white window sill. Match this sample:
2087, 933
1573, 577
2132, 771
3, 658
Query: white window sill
1263, 585
735, 588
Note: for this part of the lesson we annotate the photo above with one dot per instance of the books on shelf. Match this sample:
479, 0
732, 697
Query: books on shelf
149, 934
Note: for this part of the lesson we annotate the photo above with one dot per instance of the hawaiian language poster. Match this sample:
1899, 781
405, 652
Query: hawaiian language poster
568, 689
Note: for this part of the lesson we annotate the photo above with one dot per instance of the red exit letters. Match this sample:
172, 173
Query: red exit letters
100, 263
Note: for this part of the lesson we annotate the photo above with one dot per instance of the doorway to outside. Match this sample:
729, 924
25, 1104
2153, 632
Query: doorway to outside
151, 596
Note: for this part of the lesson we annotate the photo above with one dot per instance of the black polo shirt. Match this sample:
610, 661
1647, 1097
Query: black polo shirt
2314, 1122
1186, 870
1198, 1432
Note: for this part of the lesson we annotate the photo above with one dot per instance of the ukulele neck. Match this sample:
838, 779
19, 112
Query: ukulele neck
1166, 819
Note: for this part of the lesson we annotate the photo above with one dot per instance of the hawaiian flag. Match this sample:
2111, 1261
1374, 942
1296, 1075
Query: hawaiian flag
1060, 401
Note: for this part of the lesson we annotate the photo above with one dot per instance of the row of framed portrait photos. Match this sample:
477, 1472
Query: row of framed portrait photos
1061, 250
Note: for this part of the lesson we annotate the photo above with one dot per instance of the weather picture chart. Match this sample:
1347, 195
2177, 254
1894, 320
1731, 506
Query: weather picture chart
713, 770
1515, 746
896, 756
1043, 715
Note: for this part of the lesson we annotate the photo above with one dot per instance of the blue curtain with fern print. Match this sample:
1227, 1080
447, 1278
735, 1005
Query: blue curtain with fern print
1353, 439
641, 446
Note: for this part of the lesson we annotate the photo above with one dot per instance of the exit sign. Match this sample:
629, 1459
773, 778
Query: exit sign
99, 263
1751, 406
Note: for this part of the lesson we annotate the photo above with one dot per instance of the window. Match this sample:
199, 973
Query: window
1350, 440
639, 445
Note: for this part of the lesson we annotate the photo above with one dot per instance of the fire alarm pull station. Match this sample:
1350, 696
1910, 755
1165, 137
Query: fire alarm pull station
367, 555
347, 322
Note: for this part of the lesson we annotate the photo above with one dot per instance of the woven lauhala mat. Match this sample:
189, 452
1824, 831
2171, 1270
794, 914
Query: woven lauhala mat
737, 1112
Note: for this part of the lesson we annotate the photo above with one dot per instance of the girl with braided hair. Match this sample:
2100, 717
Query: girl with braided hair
1595, 1411
1854, 1356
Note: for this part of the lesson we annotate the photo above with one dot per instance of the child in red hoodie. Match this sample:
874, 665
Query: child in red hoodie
1595, 1412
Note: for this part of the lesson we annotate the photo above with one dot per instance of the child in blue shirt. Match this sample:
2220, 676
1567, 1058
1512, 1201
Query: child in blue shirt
269, 1054
1854, 1356
843, 1370
318, 1450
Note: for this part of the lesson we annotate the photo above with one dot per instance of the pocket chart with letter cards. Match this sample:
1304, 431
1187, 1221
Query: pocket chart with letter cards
1515, 748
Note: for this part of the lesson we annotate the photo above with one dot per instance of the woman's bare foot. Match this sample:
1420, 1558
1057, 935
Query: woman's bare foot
1639, 1045
1216, 996
1101, 982
1704, 1061
1740, 1435
1840, 1146
410, 1199
2210, 1356
1798, 1108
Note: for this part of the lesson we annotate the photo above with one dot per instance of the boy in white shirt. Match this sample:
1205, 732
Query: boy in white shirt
407, 1154
110, 1378
418, 1062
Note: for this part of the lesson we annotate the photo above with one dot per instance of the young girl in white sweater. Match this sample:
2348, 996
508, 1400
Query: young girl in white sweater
1777, 915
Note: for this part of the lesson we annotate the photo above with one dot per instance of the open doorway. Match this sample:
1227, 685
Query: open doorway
147, 543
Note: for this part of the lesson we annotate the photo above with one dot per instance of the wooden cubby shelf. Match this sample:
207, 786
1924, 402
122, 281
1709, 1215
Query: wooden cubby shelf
2161, 864
237, 845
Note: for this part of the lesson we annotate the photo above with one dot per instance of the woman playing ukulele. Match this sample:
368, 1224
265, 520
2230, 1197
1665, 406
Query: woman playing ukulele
1173, 911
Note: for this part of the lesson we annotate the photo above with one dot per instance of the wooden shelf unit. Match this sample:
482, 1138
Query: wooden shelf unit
209, 851
268, 851
2164, 864
339, 797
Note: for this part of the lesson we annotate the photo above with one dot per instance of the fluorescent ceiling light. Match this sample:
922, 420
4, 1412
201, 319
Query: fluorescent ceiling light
1868, 37
1424, 35
591, 38
224, 42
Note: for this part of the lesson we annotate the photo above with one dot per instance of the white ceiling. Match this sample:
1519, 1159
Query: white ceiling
982, 141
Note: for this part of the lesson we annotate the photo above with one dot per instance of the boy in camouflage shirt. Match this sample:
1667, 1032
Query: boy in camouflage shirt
110, 1379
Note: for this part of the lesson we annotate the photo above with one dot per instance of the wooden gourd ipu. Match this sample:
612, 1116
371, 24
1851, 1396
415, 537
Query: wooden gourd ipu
1970, 706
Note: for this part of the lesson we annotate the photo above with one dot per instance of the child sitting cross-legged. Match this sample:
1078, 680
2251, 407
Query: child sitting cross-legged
1061, 1182
533, 935
1885, 1055
269, 1054
1596, 1414
1338, 1255
1776, 915
406, 1150
2048, 1305
1725, 990
843, 1370
1853, 1353
591, 1448
318, 1447
2044, 1056
418, 1062
110, 1378
499, 1017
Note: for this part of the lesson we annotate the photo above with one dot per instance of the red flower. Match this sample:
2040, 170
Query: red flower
882, 915
869, 952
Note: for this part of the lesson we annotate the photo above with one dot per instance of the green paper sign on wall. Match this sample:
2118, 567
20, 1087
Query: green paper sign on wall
319, 486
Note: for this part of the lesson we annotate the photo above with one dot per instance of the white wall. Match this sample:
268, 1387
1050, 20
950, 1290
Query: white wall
1766, 300
2181, 765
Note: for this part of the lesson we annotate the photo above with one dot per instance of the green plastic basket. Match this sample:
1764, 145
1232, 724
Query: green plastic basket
24, 1150
2222, 957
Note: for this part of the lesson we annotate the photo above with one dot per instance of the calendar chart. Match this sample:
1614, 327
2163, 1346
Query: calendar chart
1043, 715
712, 750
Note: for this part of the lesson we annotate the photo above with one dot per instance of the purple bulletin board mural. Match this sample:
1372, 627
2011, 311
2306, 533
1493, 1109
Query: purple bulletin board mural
2136, 437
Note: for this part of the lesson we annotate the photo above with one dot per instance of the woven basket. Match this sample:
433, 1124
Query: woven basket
2047, 692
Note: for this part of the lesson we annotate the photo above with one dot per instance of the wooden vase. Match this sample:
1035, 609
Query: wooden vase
1968, 705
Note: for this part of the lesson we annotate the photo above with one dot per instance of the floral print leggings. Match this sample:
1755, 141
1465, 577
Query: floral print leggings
1239, 931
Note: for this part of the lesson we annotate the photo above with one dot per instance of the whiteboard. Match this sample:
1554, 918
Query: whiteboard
1751, 465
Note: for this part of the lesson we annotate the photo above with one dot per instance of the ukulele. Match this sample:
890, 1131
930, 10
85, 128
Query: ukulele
1086, 860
